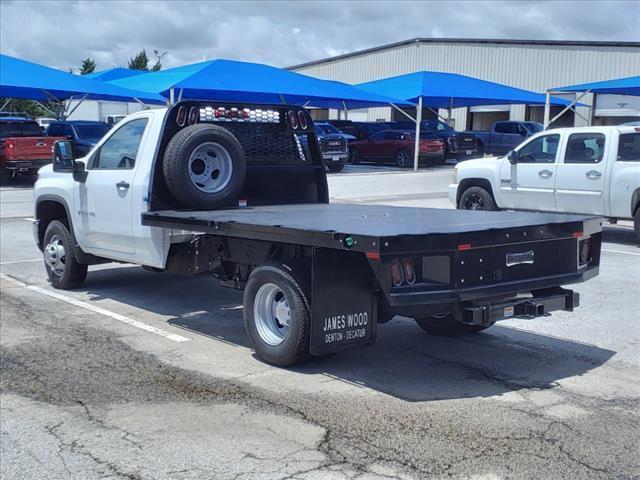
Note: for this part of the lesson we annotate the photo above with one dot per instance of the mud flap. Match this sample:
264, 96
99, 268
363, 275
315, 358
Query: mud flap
343, 304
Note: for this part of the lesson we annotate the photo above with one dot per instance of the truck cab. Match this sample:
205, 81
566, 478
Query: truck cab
589, 170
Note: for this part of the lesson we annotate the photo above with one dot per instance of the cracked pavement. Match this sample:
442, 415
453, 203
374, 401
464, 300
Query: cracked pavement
83, 396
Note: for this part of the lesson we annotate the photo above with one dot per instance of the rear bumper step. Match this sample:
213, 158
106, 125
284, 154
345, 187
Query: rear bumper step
542, 303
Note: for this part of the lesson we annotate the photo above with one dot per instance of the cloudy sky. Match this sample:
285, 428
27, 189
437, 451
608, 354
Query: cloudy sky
61, 34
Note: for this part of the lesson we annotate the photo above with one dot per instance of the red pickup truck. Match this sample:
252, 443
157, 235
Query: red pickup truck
23, 147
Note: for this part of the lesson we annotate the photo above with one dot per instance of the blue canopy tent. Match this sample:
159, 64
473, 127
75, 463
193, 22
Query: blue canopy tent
22, 79
616, 86
113, 74
450, 90
229, 80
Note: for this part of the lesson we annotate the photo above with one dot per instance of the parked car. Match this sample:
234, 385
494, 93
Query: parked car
326, 128
333, 147
23, 148
397, 146
361, 130
504, 136
590, 170
84, 133
458, 145
207, 196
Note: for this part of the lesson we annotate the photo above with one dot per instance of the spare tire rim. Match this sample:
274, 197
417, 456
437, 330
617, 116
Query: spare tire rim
210, 167
272, 314
55, 256
474, 202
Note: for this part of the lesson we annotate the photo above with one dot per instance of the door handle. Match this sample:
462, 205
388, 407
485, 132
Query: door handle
593, 174
122, 186
545, 173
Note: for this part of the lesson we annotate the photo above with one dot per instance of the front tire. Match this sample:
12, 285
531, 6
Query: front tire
636, 223
63, 270
476, 198
336, 168
204, 166
276, 314
402, 159
446, 326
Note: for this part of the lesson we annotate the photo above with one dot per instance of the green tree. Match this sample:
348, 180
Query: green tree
139, 62
88, 66
159, 56
29, 107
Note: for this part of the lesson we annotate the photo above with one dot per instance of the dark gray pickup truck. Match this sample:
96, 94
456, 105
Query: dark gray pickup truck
504, 136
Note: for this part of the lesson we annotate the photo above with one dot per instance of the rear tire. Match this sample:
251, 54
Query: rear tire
446, 326
476, 198
336, 168
276, 314
63, 270
356, 158
5, 176
402, 159
204, 167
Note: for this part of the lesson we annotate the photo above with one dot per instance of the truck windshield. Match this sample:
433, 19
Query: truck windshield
435, 126
326, 129
91, 132
20, 129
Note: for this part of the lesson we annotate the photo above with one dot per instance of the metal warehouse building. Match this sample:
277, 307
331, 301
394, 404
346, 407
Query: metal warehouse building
535, 65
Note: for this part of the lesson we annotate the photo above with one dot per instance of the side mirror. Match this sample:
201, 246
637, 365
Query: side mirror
512, 156
64, 153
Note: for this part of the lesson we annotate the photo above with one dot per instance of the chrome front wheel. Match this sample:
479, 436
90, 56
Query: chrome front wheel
55, 255
272, 314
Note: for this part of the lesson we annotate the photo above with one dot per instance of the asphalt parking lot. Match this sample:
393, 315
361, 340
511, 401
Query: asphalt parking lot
143, 375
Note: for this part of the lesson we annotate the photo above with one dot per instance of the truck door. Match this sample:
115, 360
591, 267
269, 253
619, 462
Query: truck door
580, 177
530, 183
104, 200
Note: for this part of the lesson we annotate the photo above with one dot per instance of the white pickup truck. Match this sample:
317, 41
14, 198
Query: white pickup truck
590, 170
240, 192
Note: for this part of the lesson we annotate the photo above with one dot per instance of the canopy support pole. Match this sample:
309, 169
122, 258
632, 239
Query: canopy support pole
346, 110
284, 102
403, 112
416, 149
547, 109
171, 96
43, 106
76, 107
4, 105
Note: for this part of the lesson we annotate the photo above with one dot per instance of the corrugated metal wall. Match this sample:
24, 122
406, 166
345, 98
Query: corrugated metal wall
528, 66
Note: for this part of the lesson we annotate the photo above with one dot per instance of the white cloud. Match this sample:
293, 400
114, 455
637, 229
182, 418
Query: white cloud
61, 34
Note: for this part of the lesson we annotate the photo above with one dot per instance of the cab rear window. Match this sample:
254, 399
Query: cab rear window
20, 129
629, 147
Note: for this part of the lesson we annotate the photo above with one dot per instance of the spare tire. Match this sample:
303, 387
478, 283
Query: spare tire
204, 166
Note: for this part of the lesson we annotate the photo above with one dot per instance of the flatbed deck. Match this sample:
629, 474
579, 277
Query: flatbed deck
372, 228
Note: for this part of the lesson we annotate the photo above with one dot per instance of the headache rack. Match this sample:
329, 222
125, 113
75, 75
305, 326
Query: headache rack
284, 163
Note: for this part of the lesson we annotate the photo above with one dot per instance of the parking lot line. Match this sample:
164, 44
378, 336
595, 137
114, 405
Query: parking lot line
620, 251
21, 261
100, 310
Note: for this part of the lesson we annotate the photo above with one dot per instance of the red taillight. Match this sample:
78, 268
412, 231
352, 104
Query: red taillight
464, 246
193, 115
182, 116
302, 118
293, 121
396, 273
